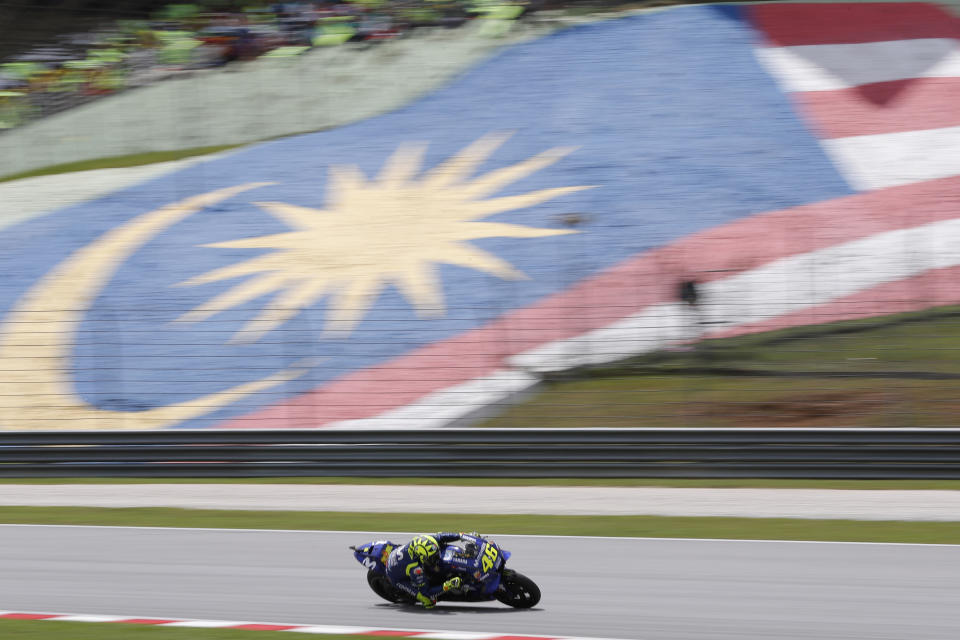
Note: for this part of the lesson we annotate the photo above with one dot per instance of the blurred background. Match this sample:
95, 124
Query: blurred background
514, 214
690, 272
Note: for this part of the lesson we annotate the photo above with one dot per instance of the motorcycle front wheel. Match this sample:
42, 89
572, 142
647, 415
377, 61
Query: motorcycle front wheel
382, 587
517, 590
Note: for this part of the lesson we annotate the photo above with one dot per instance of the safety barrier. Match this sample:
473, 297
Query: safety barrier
662, 453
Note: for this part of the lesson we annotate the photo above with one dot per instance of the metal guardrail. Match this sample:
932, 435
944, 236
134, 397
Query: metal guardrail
653, 453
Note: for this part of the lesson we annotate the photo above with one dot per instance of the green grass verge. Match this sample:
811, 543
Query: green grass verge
117, 162
55, 630
627, 526
725, 483
899, 370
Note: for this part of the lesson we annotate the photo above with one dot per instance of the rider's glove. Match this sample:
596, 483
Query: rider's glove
452, 583
426, 601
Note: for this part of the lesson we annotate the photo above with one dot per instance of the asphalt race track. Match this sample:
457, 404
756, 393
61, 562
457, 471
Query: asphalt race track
640, 589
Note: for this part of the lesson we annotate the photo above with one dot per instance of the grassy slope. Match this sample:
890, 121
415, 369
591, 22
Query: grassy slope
627, 526
119, 162
901, 370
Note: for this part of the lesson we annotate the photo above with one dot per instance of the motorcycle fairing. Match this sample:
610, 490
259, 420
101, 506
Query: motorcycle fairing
373, 555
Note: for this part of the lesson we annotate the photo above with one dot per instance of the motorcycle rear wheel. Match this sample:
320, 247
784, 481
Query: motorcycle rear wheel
382, 587
517, 590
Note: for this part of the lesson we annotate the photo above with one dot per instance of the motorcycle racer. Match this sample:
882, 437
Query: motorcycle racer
414, 568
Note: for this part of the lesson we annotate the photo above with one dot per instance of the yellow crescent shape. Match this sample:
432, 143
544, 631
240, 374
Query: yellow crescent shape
38, 335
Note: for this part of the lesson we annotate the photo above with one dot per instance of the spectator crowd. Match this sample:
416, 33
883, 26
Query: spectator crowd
183, 37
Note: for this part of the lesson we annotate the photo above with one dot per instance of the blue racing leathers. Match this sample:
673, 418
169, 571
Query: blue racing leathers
406, 573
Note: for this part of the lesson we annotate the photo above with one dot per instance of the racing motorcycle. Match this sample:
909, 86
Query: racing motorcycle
479, 562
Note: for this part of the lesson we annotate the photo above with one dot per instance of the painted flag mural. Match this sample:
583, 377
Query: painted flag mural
800, 161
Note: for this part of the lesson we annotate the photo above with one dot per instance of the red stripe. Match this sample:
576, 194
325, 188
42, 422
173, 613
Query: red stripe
146, 621
905, 105
610, 296
804, 24
29, 616
266, 627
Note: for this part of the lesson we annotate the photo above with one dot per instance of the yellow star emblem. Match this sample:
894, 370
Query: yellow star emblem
388, 231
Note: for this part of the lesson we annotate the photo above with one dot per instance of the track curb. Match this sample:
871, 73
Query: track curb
379, 632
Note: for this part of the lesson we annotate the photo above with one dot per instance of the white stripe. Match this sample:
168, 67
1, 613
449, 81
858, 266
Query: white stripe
829, 67
652, 329
895, 159
810, 279
331, 630
783, 286
440, 408
460, 635
205, 624
91, 618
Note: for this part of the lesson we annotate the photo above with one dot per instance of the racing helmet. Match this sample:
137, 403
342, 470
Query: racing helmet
426, 549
